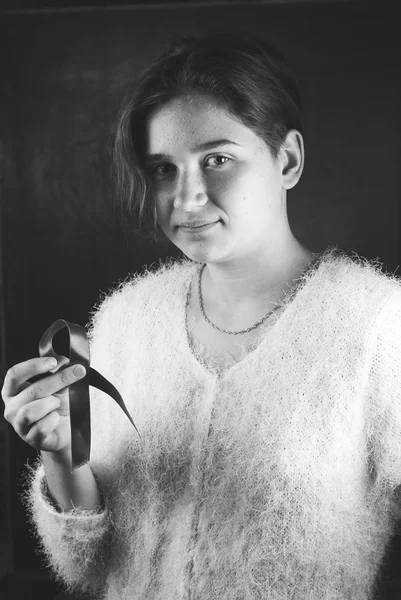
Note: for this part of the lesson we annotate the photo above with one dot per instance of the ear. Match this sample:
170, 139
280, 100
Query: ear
292, 158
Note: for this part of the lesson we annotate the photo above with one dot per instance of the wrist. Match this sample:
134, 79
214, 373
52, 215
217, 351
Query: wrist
59, 457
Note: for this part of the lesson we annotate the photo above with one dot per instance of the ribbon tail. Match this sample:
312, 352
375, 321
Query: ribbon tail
101, 383
80, 423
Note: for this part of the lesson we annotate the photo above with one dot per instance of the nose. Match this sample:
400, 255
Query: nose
190, 191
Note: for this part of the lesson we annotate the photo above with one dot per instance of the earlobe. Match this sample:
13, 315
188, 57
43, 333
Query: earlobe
293, 155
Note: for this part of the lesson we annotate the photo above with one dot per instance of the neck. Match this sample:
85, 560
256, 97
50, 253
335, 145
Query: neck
253, 280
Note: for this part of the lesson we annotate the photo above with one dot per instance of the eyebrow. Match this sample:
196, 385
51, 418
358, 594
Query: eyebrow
198, 148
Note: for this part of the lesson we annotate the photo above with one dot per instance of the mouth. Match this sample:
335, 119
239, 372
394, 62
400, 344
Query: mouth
197, 226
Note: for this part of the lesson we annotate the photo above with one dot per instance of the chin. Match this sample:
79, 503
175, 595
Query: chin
205, 255
200, 254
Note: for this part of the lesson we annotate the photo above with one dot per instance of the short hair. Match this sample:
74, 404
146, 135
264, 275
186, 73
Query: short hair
247, 77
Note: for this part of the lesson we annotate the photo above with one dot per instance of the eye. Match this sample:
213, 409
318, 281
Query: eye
162, 170
218, 160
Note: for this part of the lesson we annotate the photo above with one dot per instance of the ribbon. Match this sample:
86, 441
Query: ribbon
78, 392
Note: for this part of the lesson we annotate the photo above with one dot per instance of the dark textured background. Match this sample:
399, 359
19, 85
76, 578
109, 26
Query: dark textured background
62, 242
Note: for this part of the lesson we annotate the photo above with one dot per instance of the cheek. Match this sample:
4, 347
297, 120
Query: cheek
159, 208
230, 188
162, 208
163, 223
242, 190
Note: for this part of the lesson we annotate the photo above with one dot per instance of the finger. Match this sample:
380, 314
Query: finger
18, 375
28, 414
53, 384
42, 430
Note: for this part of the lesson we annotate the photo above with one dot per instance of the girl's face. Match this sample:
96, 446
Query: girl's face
217, 189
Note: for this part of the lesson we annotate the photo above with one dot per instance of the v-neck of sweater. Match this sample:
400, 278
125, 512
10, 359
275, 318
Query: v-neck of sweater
199, 356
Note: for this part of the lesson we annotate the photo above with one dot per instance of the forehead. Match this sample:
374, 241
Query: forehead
184, 123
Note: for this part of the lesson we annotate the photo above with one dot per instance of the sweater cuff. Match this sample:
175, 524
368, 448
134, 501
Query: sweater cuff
42, 499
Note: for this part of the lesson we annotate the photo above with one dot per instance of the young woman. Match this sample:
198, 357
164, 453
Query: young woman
264, 379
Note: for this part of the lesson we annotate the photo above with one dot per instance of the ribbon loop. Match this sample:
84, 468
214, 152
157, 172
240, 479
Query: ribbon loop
78, 392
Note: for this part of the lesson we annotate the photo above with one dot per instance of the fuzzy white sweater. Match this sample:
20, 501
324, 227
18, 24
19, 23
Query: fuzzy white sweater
272, 480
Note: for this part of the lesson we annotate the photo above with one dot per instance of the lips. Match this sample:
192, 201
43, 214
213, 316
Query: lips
196, 224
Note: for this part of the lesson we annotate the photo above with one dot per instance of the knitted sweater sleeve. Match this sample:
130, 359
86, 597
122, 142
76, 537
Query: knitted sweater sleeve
75, 543
385, 389
71, 542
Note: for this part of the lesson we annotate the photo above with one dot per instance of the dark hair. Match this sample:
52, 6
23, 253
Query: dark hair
247, 77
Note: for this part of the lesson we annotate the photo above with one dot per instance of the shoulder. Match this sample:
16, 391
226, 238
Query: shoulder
353, 281
155, 284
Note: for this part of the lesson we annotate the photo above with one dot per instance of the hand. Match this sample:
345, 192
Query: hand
39, 412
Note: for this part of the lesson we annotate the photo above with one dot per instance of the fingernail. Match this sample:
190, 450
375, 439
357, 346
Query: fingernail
78, 371
51, 362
